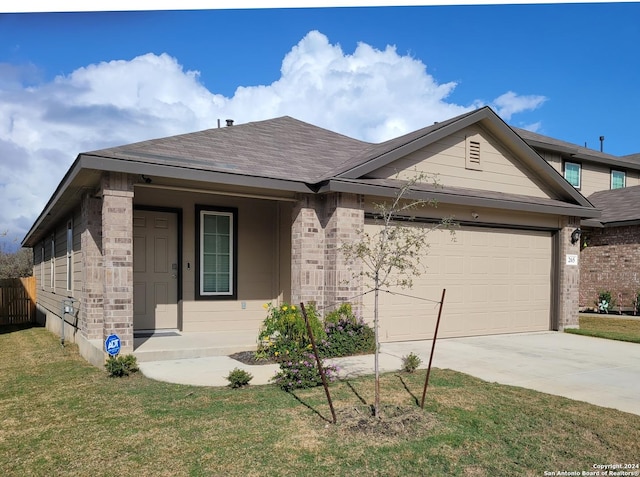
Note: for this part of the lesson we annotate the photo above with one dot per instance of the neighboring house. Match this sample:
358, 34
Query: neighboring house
610, 251
196, 232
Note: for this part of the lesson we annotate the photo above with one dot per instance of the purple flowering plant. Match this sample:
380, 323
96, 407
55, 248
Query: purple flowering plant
301, 372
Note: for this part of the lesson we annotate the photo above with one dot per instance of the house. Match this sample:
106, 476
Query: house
610, 245
196, 232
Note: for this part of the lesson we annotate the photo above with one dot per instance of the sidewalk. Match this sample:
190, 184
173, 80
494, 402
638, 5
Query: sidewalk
211, 371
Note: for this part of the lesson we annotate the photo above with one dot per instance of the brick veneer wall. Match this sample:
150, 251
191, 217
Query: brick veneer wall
610, 261
319, 271
307, 251
91, 319
117, 254
568, 276
345, 219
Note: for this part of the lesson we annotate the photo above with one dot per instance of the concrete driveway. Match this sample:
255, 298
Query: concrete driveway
598, 371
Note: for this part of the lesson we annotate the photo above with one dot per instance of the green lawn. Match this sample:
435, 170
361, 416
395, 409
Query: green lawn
609, 326
59, 416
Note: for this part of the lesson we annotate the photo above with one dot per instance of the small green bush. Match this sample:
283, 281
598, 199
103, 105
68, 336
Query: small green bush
411, 362
300, 371
118, 366
347, 335
239, 378
284, 331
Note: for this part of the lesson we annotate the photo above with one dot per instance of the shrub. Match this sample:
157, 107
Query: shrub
411, 362
300, 371
284, 331
118, 366
346, 334
238, 378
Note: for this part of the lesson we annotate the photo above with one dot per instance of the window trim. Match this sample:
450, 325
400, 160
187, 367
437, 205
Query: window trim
43, 264
69, 258
201, 211
52, 279
624, 178
564, 173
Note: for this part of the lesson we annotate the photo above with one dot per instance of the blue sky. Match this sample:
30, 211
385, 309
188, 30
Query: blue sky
73, 82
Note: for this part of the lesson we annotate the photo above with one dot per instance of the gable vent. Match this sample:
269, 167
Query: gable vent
473, 153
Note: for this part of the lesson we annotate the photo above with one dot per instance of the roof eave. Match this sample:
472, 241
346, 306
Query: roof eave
102, 163
455, 199
149, 169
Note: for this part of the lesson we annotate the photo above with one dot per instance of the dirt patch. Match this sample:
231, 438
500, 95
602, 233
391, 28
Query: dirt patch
394, 421
249, 357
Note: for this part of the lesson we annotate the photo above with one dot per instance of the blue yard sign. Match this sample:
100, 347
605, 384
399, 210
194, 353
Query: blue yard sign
112, 345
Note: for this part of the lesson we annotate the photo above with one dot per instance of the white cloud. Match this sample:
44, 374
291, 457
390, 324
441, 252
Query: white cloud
369, 94
509, 103
533, 127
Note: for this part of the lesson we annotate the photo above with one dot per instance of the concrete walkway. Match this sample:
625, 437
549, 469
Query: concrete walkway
598, 371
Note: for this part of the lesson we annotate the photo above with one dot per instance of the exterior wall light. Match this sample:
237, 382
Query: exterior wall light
575, 236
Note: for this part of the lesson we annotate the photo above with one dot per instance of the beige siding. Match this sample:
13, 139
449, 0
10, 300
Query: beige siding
263, 259
500, 169
594, 177
554, 159
50, 299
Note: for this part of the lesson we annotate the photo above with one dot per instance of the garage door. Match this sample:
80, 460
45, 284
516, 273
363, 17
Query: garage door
497, 281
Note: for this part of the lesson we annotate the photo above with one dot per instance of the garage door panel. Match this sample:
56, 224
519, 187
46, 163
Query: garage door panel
453, 265
499, 294
497, 281
500, 266
480, 265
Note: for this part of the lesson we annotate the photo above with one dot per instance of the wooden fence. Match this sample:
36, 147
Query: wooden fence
17, 300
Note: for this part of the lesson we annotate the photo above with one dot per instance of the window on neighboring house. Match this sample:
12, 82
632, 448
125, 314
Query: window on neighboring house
618, 179
69, 255
53, 261
572, 173
217, 260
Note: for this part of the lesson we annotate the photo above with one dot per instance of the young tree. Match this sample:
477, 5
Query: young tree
391, 257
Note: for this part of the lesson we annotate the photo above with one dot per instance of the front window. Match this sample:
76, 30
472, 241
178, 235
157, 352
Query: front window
618, 179
217, 253
572, 173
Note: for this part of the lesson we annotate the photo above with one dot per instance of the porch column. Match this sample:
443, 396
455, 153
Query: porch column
345, 219
117, 251
569, 275
307, 252
92, 303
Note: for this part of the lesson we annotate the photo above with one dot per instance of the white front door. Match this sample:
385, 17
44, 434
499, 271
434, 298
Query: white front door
155, 270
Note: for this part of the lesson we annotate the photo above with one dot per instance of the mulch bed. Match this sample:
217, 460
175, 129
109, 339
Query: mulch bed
249, 357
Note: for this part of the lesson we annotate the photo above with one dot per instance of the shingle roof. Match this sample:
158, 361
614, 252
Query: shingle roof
281, 148
538, 140
617, 205
377, 150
